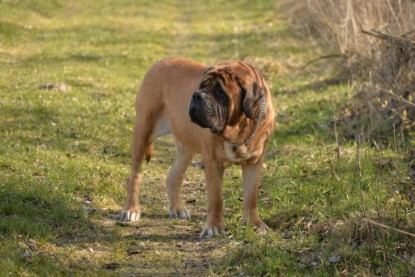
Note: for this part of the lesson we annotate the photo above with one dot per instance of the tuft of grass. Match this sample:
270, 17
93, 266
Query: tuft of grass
64, 153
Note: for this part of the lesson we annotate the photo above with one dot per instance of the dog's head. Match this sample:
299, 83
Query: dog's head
226, 93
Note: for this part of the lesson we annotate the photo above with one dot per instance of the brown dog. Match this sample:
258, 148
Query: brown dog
224, 112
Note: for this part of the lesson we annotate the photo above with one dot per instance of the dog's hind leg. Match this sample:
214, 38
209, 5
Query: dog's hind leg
139, 145
175, 181
151, 123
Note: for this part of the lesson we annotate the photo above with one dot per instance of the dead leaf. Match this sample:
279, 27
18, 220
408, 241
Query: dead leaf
32, 244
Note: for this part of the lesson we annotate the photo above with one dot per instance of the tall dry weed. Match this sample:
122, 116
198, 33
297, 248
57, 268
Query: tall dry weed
377, 39
341, 21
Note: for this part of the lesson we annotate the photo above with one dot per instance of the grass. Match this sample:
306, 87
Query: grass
64, 155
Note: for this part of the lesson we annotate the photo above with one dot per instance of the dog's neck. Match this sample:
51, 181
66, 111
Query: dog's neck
251, 135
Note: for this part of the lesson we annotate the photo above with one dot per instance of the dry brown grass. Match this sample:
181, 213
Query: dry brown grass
377, 39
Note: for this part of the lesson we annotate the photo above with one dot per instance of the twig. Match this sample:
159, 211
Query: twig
368, 220
333, 171
408, 33
359, 168
396, 96
336, 135
323, 58
380, 35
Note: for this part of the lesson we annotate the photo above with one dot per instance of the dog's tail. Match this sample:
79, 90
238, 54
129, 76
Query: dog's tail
149, 153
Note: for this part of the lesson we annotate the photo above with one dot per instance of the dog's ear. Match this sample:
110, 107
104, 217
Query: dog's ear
251, 94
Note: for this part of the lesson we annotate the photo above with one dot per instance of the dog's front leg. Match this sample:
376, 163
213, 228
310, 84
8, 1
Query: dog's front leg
251, 176
214, 176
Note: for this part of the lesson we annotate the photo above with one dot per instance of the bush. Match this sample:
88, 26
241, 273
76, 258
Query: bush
377, 39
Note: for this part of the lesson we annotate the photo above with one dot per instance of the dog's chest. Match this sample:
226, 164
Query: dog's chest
240, 154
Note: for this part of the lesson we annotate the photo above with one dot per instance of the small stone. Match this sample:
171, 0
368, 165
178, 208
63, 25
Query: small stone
334, 259
322, 126
89, 211
26, 254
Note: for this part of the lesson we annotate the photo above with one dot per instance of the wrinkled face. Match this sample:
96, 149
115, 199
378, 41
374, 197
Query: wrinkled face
226, 92
208, 107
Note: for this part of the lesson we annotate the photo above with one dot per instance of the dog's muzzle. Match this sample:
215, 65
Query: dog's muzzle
199, 110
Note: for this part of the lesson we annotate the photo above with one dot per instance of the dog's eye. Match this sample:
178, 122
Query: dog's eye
203, 84
218, 89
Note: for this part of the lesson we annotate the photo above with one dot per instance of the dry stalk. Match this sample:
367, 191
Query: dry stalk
322, 58
371, 221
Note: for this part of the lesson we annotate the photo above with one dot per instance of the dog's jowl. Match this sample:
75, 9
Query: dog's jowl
223, 112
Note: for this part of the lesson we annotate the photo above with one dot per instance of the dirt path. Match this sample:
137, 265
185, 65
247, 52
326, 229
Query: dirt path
158, 245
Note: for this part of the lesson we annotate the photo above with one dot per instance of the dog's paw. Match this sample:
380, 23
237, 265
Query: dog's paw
130, 215
261, 228
181, 213
210, 231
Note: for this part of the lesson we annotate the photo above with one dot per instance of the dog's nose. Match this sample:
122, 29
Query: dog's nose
197, 97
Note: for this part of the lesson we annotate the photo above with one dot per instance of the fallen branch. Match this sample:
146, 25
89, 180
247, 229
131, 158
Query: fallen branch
323, 58
399, 98
368, 220
399, 39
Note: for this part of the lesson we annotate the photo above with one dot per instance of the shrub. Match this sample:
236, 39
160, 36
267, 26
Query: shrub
377, 39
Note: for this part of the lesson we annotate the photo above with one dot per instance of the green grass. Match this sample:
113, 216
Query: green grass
64, 156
